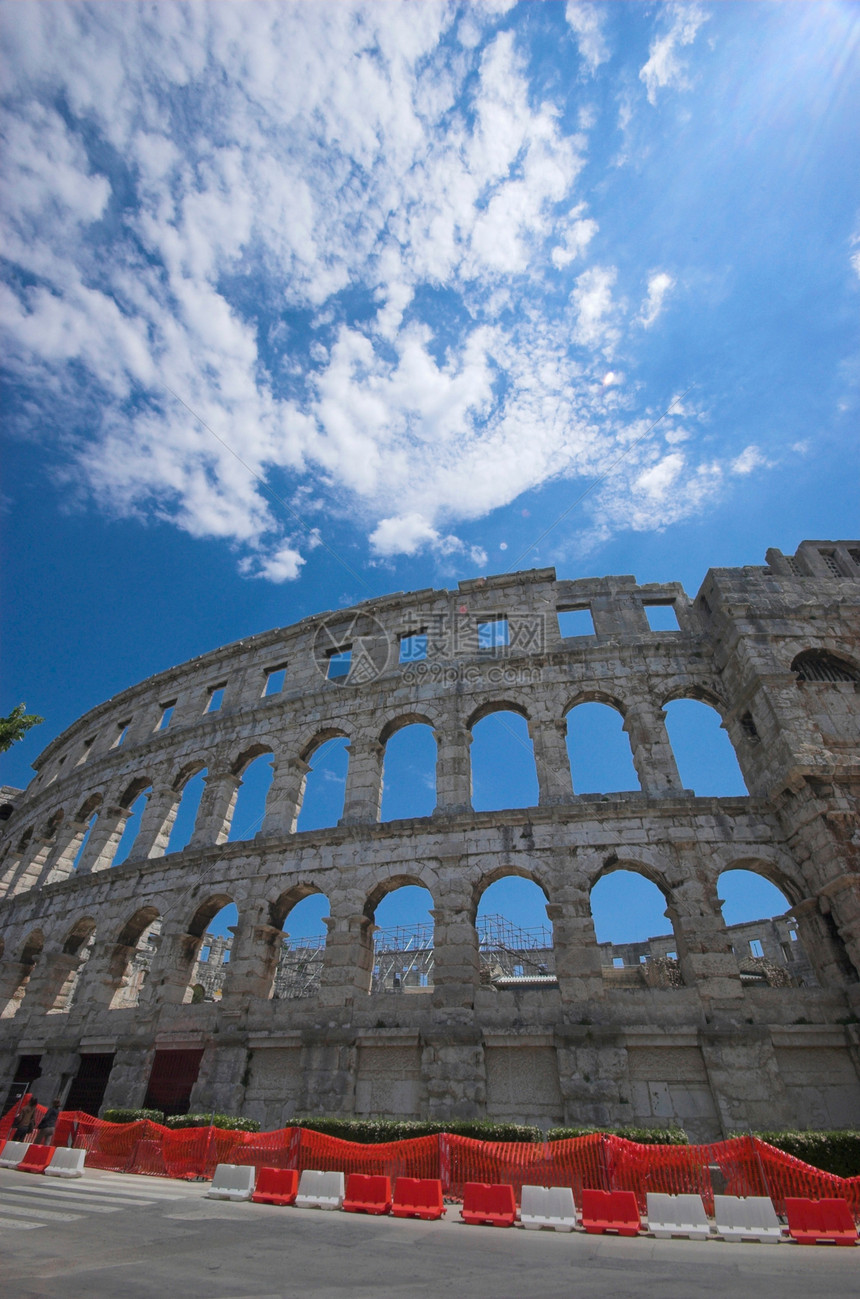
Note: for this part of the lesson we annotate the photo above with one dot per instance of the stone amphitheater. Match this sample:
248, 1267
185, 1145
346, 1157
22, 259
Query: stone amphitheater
99, 963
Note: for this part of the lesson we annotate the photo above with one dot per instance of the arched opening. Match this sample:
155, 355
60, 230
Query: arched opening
764, 935
325, 786
821, 665
86, 817
78, 944
409, 772
136, 804
504, 773
209, 945
515, 939
601, 761
30, 954
707, 763
403, 940
132, 957
301, 914
256, 770
189, 785
636, 938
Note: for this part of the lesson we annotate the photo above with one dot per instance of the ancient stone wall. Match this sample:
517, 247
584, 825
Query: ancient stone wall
773, 649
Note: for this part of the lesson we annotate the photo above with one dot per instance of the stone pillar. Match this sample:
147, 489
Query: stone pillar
577, 955
843, 898
745, 1081
104, 838
58, 1070
363, 796
48, 980
219, 1084
285, 796
11, 867
348, 963
704, 947
329, 1066
105, 973
594, 1076
14, 978
453, 1069
156, 823
253, 962
59, 864
169, 981
549, 738
129, 1077
33, 864
456, 957
822, 942
216, 809
653, 758
453, 771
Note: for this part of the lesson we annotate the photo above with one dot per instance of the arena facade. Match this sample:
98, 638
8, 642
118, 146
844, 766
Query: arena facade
99, 968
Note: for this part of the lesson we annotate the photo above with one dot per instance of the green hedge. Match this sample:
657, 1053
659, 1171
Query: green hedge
133, 1116
645, 1136
380, 1131
228, 1122
833, 1152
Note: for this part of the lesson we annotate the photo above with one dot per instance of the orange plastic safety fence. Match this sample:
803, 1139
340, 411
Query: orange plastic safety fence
748, 1166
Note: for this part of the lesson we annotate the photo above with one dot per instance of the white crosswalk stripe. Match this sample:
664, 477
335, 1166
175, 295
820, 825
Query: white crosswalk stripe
27, 1203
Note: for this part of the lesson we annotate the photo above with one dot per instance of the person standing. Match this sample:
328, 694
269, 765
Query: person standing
47, 1123
25, 1119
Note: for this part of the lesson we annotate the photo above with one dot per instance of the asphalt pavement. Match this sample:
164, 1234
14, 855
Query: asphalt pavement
108, 1236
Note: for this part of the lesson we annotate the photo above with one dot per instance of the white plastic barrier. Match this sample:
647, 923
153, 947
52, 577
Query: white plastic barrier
320, 1190
12, 1154
677, 1215
548, 1206
233, 1182
753, 1218
66, 1163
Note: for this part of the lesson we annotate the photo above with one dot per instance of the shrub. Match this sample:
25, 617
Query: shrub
644, 1136
381, 1131
228, 1122
832, 1152
133, 1116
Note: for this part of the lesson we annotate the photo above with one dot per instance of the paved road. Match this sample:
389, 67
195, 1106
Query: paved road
114, 1237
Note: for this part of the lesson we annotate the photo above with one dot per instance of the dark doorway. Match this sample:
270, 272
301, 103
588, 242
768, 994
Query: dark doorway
28, 1070
173, 1075
88, 1089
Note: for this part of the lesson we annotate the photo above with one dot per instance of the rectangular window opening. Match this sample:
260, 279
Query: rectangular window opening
204, 955
662, 616
618, 962
671, 956
88, 744
755, 947
413, 647
575, 622
643, 960
275, 678
830, 563
339, 663
792, 933
166, 714
121, 733
493, 635
216, 698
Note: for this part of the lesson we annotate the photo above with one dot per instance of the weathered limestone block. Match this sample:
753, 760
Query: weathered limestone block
593, 1076
156, 823
216, 809
549, 738
746, 1082
453, 770
363, 796
104, 838
285, 796
653, 758
454, 1072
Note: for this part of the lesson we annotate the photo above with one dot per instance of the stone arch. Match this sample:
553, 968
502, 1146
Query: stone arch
249, 755
776, 872
205, 913
24, 840
78, 944
31, 951
128, 962
421, 878
514, 936
313, 801
640, 865
598, 745
824, 665
255, 775
91, 804
319, 738
53, 823
401, 953
700, 692
401, 721
506, 870
292, 971
710, 770
630, 958
133, 791
409, 765
595, 697
494, 705
79, 934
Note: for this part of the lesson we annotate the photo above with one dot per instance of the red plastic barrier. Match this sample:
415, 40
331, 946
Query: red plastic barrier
418, 1197
486, 1204
276, 1186
367, 1193
813, 1221
36, 1159
604, 1211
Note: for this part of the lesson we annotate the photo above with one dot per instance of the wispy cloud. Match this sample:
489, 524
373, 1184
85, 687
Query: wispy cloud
588, 22
666, 68
659, 284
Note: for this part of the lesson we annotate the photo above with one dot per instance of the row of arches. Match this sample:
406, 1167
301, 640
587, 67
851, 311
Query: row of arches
509, 913
512, 761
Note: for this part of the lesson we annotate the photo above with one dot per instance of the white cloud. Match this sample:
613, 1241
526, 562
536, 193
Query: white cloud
749, 459
855, 262
588, 22
659, 284
665, 68
179, 303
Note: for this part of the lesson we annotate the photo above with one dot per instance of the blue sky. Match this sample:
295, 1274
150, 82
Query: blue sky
302, 304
